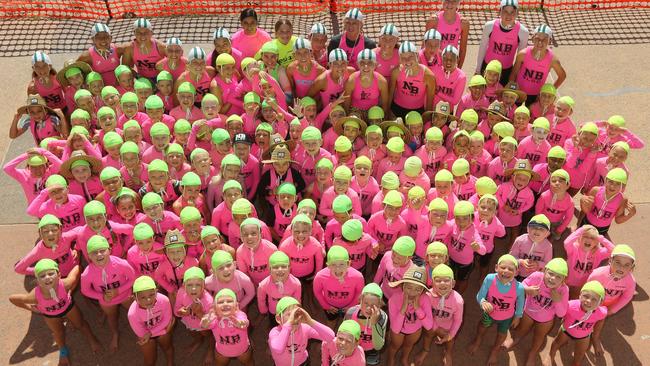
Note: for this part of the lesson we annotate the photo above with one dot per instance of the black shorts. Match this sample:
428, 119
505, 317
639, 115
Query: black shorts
602, 230
530, 100
572, 337
520, 278
505, 73
484, 260
461, 271
64, 313
338, 315
400, 111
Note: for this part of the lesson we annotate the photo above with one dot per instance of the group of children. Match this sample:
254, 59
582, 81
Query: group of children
273, 179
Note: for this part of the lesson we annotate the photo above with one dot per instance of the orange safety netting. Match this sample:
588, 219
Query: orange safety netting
93, 9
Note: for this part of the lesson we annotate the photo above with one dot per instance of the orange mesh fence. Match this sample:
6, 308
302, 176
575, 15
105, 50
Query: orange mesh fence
94, 9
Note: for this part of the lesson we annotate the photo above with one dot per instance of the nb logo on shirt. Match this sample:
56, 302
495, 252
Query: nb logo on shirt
71, 219
233, 339
582, 326
201, 90
501, 304
532, 157
261, 268
356, 257
338, 294
365, 95
513, 204
57, 306
449, 36
502, 48
532, 257
438, 313
110, 286
444, 90
148, 267
52, 98
458, 245
600, 213
384, 236
554, 138
152, 321
410, 317
543, 301
533, 75
613, 292
412, 89
145, 64
583, 266
300, 260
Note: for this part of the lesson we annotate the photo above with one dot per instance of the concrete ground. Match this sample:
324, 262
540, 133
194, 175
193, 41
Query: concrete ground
604, 80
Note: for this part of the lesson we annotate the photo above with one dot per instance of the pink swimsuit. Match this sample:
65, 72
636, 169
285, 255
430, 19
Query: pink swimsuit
521, 201
333, 90
533, 73
387, 273
504, 304
153, 321
240, 284
61, 253
180, 68
363, 98
70, 213
269, 293
231, 341
145, 264
333, 293
448, 312
289, 347
489, 231
54, 306
352, 52
357, 251
192, 321
557, 211
385, 67
433, 63
105, 66
303, 82
502, 45
306, 259
145, 65
53, 95
460, 245
451, 33
413, 319
410, 90
255, 263
618, 292
386, 232
541, 308
171, 278
573, 324
604, 210
535, 153
524, 248
449, 87
31, 186
582, 263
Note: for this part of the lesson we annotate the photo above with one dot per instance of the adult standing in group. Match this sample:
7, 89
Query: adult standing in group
249, 39
352, 40
501, 40
534, 63
453, 28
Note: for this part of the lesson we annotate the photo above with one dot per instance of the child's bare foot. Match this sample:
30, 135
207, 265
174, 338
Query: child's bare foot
446, 359
95, 346
115, 342
598, 346
549, 360
510, 343
421, 356
473, 348
64, 356
494, 354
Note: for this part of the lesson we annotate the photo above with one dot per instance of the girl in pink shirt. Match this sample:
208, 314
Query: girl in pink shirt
284, 209
387, 225
442, 188
279, 284
562, 127
372, 320
547, 298
364, 184
521, 123
359, 244
581, 156
191, 220
606, 204
308, 207
489, 227
53, 244
52, 298
192, 303
556, 203
619, 284
532, 249
535, 147
169, 273
447, 309
615, 158
414, 215
409, 311
394, 264
230, 329
515, 197
464, 186
107, 279
585, 251
253, 255
152, 320
226, 275
506, 160
212, 241
120, 236
579, 321
158, 218
438, 228
305, 251
55, 200
413, 175
344, 349
288, 341
464, 242
432, 152
337, 286
145, 256
40, 165
342, 178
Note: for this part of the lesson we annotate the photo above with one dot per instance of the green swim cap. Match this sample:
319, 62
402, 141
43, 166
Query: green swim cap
351, 327
189, 214
151, 199
143, 283
48, 219
209, 230
190, 179
219, 258
93, 208
337, 253
559, 266
97, 242
142, 231
404, 245
278, 258
45, 264
352, 230
192, 273
284, 303
341, 204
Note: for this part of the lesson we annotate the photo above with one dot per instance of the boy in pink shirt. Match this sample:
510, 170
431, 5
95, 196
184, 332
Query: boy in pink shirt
394, 160
612, 131
192, 303
409, 311
53, 244
547, 298
342, 179
489, 227
359, 244
585, 250
533, 250
120, 236
107, 279
226, 275
144, 256
161, 183
579, 321
506, 160
386, 225
344, 348
308, 153
253, 255
288, 341
464, 183
337, 286
515, 198
478, 157
394, 264
413, 175
619, 284
555, 159
438, 228
443, 188
562, 127
556, 203
535, 147
464, 242
432, 152
229, 327
157, 217
447, 308
279, 284
305, 251
212, 241
41, 163
152, 320
616, 157
581, 156
169, 274
56, 200
160, 139
284, 209
413, 214
364, 184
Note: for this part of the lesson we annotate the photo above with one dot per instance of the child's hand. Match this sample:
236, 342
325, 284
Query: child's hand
475, 246
531, 291
444, 337
486, 307
405, 304
556, 296
303, 316
332, 311
109, 295
339, 100
144, 339
374, 315
297, 109
630, 209
184, 311
515, 323
196, 309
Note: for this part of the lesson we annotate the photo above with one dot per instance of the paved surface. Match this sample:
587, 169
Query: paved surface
599, 93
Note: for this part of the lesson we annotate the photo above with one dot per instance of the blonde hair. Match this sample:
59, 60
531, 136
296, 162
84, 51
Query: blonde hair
590, 230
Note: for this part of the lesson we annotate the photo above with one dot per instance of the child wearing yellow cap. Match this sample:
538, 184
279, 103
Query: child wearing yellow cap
375, 149
614, 130
562, 127
41, 163
615, 158
56, 200
364, 184
52, 298
387, 225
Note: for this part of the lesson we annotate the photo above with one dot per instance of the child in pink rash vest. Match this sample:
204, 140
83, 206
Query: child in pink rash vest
533, 250
585, 250
337, 286
151, 318
581, 156
515, 197
506, 160
432, 152
288, 340
579, 321
364, 184
145, 256
158, 218
253, 255
547, 297
556, 203
229, 326
562, 127
394, 264
53, 244
306, 253
535, 147
226, 275
32, 178
438, 228
331, 193
386, 225
488, 226
442, 188
359, 245
414, 213
464, 186
344, 349
56, 200
284, 209
612, 131
464, 242
409, 311
447, 309
169, 273
278, 284
615, 159
619, 284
